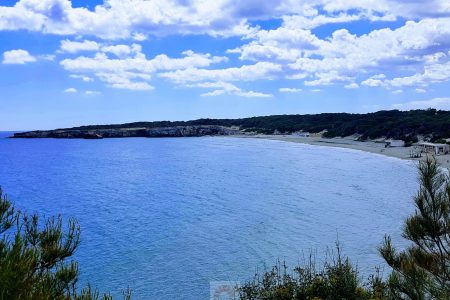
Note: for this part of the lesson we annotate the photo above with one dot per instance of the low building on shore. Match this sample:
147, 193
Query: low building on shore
432, 148
394, 143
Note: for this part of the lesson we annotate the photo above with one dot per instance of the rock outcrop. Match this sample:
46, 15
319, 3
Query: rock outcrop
176, 131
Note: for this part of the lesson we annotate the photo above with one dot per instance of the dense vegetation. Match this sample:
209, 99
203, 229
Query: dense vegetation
35, 257
335, 279
391, 124
422, 271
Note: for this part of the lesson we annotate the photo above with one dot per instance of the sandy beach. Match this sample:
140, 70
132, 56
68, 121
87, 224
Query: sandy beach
350, 143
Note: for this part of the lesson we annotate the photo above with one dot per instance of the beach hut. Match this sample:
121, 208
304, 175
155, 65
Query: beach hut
394, 143
438, 149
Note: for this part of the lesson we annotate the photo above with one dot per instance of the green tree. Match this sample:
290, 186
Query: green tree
422, 271
35, 257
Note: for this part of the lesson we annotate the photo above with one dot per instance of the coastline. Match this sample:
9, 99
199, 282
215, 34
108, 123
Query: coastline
350, 143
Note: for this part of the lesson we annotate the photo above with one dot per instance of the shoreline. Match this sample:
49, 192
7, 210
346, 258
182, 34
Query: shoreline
349, 143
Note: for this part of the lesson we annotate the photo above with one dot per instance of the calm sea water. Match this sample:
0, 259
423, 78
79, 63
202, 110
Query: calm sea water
167, 216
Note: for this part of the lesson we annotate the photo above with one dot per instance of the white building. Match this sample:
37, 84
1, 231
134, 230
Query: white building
433, 148
394, 143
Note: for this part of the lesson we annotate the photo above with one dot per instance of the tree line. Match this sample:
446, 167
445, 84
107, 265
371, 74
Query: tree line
396, 124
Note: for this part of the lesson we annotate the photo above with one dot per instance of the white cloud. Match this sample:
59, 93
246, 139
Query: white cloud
139, 63
316, 90
221, 88
213, 93
252, 94
133, 72
260, 70
70, 90
83, 78
88, 92
74, 46
17, 56
434, 73
327, 78
116, 19
139, 18
297, 76
139, 37
397, 92
282, 43
438, 103
126, 80
352, 85
118, 50
344, 55
374, 81
309, 22
415, 55
290, 90
421, 91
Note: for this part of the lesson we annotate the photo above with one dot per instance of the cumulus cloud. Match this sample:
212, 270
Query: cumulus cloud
120, 50
139, 18
434, 73
327, 78
134, 71
116, 19
344, 55
436, 69
260, 70
75, 46
413, 55
70, 90
17, 56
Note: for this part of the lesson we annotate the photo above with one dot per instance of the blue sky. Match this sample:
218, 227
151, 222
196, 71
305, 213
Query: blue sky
73, 63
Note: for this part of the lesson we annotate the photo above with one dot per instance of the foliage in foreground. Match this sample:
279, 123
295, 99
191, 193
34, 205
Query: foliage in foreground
336, 279
35, 257
420, 272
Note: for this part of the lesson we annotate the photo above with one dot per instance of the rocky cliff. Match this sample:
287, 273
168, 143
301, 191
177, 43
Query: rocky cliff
175, 131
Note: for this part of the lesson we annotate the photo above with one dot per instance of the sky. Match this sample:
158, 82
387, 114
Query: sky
68, 63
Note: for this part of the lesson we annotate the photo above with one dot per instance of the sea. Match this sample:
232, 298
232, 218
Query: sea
173, 218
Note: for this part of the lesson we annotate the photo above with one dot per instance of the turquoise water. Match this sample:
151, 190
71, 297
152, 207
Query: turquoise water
167, 216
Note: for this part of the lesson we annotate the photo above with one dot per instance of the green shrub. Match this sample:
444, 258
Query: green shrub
422, 271
35, 257
336, 279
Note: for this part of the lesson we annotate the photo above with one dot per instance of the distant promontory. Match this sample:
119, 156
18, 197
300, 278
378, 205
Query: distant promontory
405, 125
